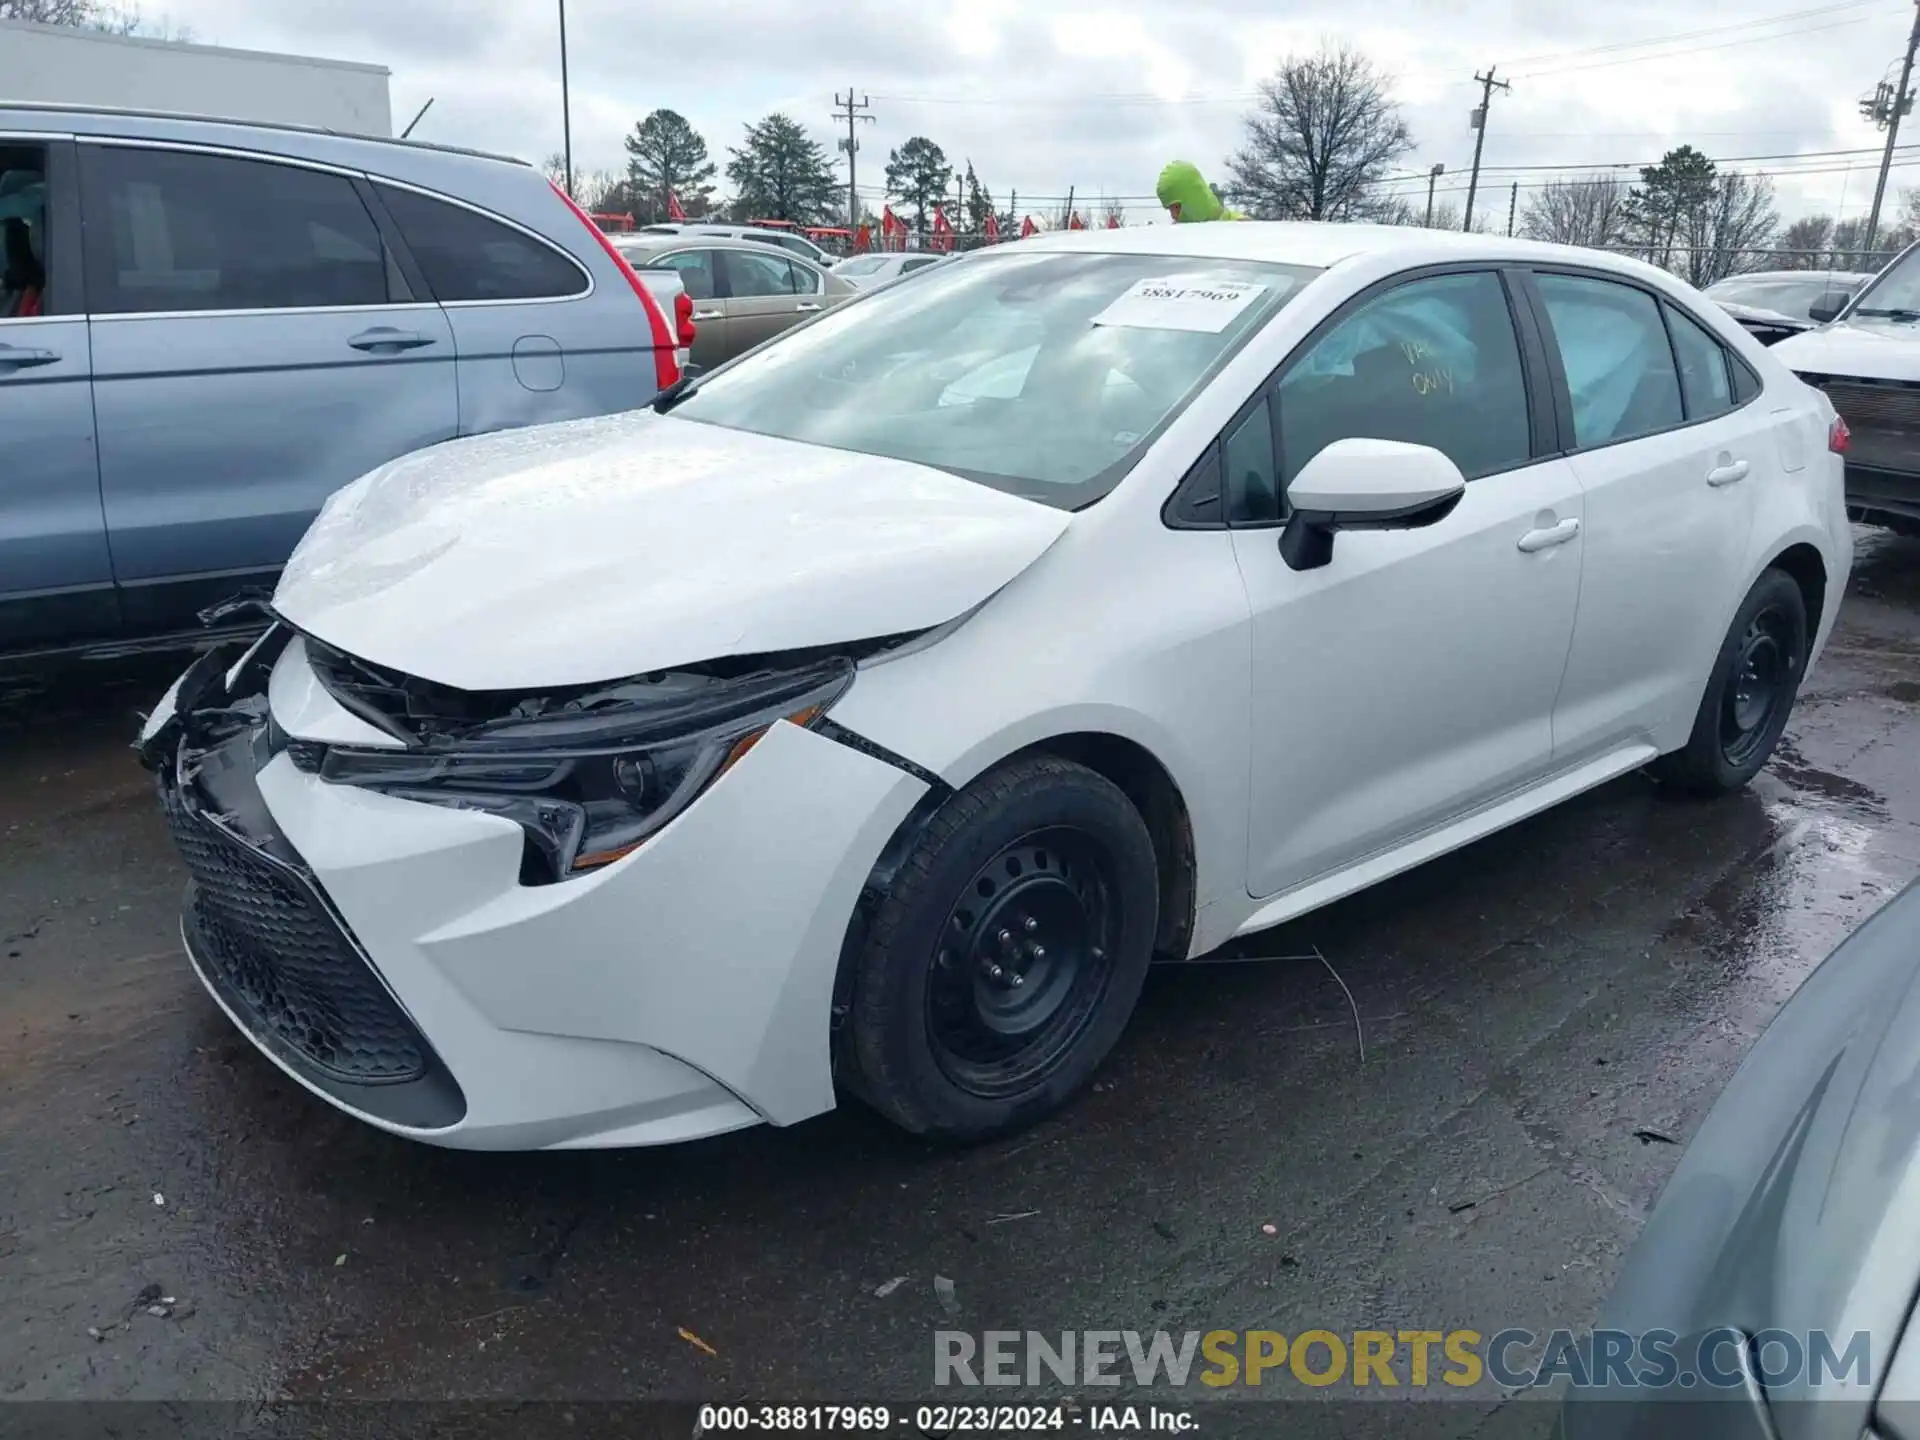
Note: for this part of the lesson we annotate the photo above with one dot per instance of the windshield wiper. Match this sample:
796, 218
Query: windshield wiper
687, 384
1893, 314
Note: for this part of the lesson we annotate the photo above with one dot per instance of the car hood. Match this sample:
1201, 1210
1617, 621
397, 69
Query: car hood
595, 549
1870, 348
1793, 1206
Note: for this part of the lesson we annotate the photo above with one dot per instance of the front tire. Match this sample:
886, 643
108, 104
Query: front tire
1755, 680
1008, 953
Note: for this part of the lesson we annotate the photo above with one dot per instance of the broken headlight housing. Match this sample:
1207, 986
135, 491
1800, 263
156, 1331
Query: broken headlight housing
590, 777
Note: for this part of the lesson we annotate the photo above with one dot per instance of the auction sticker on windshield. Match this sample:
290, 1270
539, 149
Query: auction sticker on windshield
1178, 302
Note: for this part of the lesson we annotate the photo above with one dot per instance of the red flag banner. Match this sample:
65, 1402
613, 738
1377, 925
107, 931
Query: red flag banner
942, 231
893, 229
674, 209
1113, 222
1076, 223
1028, 228
992, 229
863, 239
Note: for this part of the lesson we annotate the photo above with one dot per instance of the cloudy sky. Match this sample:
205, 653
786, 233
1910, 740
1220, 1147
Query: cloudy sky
1098, 94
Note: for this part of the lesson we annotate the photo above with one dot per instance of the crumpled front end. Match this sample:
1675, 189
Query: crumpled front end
415, 957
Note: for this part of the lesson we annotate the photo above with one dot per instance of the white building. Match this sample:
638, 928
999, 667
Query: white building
58, 64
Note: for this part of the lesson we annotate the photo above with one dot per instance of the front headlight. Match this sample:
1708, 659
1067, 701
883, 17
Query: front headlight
591, 778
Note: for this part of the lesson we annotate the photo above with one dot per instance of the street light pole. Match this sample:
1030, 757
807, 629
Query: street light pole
566, 102
1432, 175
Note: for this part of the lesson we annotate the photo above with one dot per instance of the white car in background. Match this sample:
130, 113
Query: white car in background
868, 272
871, 716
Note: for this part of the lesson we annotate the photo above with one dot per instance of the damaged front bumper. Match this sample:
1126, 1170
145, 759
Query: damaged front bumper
387, 954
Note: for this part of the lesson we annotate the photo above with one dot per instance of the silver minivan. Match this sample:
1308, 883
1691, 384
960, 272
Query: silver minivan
208, 327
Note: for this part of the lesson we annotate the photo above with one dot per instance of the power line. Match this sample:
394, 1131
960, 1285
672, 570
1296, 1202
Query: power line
1758, 20
1691, 50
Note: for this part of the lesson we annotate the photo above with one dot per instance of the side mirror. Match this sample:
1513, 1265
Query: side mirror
1829, 308
1358, 484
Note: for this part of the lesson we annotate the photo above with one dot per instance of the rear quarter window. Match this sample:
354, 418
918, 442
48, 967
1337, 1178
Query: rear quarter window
467, 256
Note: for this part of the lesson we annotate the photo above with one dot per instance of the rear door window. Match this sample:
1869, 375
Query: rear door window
1619, 365
751, 274
696, 269
170, 230
1434, 361
467, 256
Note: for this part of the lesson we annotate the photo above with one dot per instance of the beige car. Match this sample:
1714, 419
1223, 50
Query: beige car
743, 293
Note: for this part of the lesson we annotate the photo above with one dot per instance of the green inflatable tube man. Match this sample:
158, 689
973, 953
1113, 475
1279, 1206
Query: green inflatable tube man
1189, 198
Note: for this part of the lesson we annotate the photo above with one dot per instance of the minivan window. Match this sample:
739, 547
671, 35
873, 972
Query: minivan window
1432, 362
467, 256
1619, 366
174, 230
1043, 373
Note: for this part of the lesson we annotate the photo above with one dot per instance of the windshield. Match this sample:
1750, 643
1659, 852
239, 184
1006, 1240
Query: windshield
1791, 297
865, 265
1896, 290
1045, 374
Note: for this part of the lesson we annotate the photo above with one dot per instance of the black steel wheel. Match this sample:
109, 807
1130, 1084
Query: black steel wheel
1765, 674
1007, 955
1027, 958
1755, 680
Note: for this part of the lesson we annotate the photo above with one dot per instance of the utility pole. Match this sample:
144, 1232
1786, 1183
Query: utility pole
1479, 122
1513, 204
1432, 175
566, 101
851, 112
1900, 102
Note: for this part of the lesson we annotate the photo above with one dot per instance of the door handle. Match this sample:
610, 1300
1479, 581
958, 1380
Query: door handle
806, 306
699, 315
1551, 536
1727, 474
383, 338
15, 357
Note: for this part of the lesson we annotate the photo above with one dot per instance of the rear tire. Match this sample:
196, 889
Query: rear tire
1007, 956
1755, 680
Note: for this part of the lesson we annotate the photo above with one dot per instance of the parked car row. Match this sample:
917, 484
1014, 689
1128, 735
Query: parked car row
742, 292
208, 328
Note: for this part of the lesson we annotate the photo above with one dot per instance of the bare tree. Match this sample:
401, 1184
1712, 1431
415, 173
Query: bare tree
1323, 136
1589, 210
1804, 244
114, 19
1731, 231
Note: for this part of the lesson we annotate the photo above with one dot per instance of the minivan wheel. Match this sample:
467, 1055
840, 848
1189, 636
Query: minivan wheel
1750, 694
1007, 955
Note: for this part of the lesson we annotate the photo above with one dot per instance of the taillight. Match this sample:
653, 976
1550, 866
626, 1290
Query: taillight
683, 319
1838, 436
666, 366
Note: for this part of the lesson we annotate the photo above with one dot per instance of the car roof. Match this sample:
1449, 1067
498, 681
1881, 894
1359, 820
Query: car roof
1324, 244
688, 240
1784, 275
119, 112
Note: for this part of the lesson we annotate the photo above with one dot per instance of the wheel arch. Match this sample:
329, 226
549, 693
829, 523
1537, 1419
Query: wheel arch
1139, 774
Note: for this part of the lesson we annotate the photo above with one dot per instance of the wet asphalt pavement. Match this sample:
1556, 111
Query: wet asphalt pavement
1526, 1006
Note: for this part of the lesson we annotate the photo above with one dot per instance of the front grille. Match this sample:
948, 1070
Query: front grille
283, 961
1879, 407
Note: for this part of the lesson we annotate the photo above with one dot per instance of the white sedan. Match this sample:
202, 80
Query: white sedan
867, 719
869, 272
